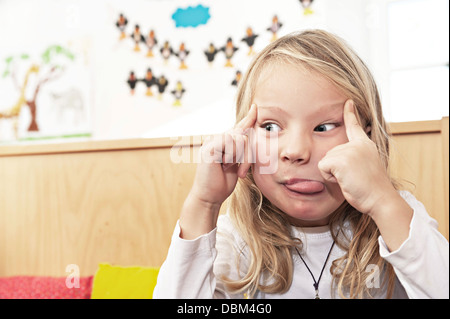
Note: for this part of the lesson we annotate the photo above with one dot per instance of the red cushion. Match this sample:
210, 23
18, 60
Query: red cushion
32, 287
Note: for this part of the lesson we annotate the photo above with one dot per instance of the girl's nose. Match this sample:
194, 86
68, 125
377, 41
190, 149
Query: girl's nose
296, 149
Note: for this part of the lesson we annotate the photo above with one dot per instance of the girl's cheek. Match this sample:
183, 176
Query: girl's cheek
265, 150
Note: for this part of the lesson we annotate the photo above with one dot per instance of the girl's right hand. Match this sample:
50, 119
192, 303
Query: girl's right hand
224, 158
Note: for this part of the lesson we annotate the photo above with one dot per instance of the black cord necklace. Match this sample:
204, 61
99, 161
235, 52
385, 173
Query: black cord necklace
316, 283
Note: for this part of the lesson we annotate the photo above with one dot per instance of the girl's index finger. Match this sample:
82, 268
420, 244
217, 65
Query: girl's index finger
249, 120
353, 128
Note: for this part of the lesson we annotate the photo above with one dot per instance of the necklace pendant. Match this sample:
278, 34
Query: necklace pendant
317, 294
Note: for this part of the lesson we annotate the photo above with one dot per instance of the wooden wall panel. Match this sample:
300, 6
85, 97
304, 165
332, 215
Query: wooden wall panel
86, 208
417, 161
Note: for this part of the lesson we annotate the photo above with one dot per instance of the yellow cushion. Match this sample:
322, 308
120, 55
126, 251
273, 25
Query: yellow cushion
118, 282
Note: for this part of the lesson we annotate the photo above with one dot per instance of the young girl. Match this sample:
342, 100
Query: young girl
319, 217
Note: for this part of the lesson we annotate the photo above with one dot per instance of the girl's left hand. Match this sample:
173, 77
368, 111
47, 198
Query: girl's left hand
357, 168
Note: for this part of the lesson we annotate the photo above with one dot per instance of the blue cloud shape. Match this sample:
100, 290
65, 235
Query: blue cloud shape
191, 16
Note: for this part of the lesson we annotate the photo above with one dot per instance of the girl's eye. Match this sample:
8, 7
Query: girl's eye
325, 127
271, 127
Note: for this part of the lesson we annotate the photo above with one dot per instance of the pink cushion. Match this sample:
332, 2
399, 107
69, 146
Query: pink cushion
37, 287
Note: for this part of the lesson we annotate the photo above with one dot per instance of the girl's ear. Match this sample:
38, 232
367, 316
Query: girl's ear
368, 130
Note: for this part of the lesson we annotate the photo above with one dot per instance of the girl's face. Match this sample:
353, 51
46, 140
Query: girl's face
300, 118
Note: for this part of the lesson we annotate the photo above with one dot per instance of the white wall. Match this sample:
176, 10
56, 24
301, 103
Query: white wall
87, 27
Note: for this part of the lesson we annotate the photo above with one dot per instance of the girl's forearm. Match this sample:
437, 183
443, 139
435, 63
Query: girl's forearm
197, 217
393, 217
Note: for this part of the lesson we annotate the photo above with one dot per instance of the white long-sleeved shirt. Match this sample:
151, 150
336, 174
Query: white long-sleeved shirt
193, 268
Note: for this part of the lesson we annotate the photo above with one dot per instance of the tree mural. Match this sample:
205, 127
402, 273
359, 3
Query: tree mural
51, 66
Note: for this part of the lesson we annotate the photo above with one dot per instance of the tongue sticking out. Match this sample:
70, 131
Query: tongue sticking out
305, 187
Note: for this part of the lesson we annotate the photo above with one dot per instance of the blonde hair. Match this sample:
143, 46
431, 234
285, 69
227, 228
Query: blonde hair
264, 227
